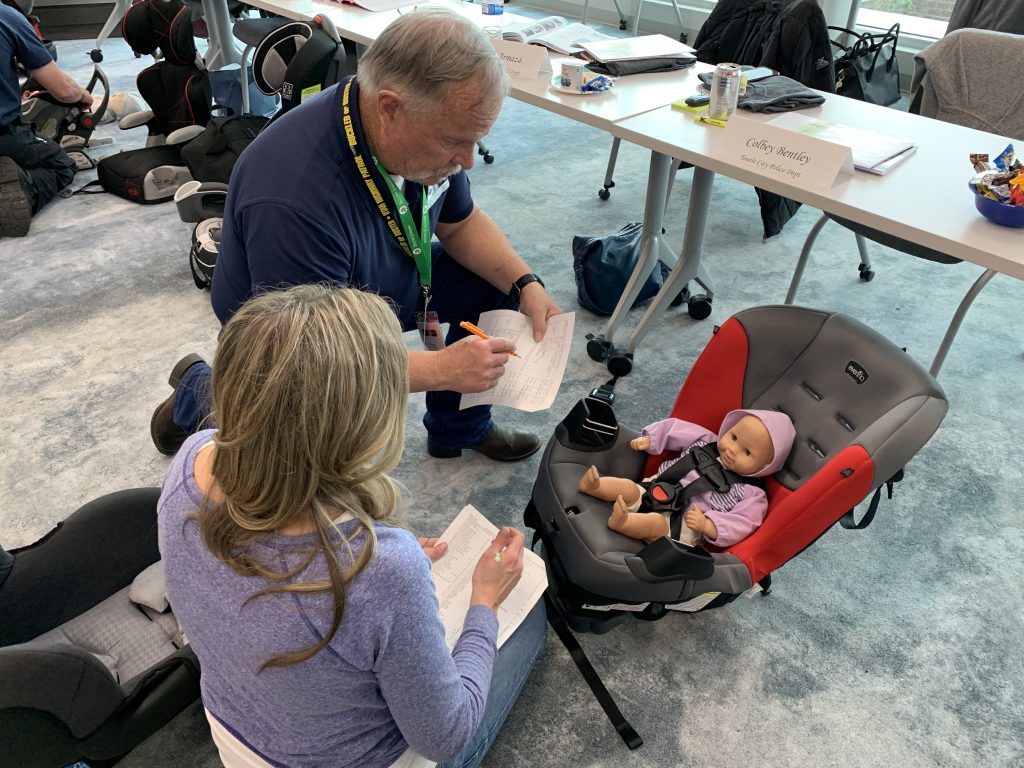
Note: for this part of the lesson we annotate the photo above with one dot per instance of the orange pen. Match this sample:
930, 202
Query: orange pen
477, 332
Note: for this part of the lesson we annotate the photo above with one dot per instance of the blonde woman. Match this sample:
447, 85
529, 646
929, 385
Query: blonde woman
312, 612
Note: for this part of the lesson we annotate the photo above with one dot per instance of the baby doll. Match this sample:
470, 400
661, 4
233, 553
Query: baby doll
750, 443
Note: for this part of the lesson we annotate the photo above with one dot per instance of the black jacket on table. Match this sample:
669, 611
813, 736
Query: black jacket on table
790, 36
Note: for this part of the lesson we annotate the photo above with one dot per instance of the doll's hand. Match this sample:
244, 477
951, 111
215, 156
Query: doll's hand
699, 522
641, 443
433, 548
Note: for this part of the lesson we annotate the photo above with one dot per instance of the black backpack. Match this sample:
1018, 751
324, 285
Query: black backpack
211, 155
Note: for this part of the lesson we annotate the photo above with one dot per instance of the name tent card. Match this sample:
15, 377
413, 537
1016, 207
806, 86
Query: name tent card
523, 61
775, 152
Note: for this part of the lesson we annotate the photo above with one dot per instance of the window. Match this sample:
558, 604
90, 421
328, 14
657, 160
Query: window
925, 18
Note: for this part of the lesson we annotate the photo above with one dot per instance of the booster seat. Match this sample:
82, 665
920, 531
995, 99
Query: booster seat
91, 662
178, 92
862, 408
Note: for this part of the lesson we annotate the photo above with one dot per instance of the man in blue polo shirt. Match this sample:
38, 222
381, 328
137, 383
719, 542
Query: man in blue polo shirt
33, 169
348, 188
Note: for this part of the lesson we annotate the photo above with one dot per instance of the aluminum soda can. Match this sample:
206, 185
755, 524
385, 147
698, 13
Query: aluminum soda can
725, 91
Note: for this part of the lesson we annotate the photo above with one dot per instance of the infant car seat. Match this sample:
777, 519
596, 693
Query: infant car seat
66, 124
861, 407
91, 662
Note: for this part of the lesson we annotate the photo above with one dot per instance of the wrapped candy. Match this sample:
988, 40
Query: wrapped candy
1002, 179
593, 82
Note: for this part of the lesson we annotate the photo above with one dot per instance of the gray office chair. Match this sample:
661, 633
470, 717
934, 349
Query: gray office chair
992, 59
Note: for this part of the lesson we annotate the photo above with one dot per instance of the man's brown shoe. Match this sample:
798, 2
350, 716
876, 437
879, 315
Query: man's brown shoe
168, 436
501, 445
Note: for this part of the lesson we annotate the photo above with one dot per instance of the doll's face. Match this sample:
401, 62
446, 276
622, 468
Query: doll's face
747, 447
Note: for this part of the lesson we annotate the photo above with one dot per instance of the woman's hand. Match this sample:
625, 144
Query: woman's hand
433, 548
499, 569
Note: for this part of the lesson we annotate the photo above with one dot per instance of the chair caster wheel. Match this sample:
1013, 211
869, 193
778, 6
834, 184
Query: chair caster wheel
603, 193
679, 299
597, 348
620, 364
96, 55
488, 158
622, 24
866, 273
699, 306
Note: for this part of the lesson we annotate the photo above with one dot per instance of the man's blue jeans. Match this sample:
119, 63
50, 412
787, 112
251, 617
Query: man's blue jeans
511, 667
456, 295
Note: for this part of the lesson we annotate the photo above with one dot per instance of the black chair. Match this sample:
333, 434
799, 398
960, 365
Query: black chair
983, 106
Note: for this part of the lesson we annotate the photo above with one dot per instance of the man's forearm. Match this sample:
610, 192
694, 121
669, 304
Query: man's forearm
424, 371
58, 83
480, 246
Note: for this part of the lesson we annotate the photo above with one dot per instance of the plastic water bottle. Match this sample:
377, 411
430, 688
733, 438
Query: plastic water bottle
494, 14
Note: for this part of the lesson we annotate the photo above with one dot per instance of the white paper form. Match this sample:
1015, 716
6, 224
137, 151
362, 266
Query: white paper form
531, 380
469, 534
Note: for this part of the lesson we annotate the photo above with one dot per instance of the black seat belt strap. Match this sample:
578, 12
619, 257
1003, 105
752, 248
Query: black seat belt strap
604, 698
847, 520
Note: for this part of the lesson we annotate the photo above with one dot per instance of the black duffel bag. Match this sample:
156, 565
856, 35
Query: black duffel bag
867, 69
211, 155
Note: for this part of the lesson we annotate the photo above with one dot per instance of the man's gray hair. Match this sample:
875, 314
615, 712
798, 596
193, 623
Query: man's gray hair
422, 54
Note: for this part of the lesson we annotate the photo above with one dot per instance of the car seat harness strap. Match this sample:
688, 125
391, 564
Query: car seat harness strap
665, 494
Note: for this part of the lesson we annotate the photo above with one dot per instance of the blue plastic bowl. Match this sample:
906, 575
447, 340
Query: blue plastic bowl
1000, 213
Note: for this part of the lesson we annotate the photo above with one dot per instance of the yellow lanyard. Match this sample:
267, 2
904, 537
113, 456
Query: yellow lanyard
415, 244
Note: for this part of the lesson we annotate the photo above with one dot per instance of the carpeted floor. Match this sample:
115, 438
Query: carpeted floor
898, 645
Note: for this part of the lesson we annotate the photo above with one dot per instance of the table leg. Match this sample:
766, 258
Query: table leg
653, 244
221, 51
689, 264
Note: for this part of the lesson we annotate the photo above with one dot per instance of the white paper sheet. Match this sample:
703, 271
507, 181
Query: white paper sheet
469, 534
531, 380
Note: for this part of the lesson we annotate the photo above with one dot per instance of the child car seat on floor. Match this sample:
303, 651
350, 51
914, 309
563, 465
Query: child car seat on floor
66, 124
862, 408
298, 59
91, 662
177, 90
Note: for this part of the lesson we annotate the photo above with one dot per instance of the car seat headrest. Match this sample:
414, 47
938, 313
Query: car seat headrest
163, 24
841, 383
277, 52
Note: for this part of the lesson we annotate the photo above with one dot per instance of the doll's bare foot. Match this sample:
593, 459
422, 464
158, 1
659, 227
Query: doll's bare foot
619, 516
590, 483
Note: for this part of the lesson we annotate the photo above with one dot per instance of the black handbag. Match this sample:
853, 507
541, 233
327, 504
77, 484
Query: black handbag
867, 70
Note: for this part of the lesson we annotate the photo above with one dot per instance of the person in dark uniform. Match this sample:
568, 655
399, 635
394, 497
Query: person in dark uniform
33, 169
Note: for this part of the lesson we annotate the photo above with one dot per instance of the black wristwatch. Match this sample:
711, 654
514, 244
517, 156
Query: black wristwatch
522, 282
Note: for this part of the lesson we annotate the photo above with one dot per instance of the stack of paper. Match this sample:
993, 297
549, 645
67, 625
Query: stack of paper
469, 535
872, 152
633, 48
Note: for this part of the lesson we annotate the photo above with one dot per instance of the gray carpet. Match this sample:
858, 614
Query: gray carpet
898, 645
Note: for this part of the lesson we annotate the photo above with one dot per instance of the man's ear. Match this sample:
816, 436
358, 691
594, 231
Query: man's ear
388, 104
